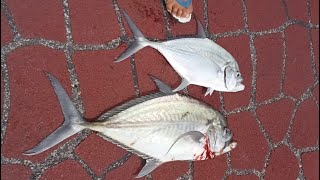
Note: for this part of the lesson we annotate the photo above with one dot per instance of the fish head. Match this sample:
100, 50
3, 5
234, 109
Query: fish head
233, 79
219, 139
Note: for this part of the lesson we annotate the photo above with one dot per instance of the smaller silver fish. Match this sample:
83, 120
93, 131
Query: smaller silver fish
197, 60
159, 127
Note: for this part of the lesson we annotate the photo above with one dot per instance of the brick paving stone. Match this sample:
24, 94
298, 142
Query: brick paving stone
179, 29
37, 19
104, 84
298, 62
310, 162
93, 21
239, 49
198, 92
128, 170
303, 133
298, 10
147, 15
6, 35
225, 16
252, 146
9, 172
98, 153
314, 11
34, 111
283, 165
66, 170
265, 14
170, 170
269, 67
275, 118
210, 169
33, 101
315, 40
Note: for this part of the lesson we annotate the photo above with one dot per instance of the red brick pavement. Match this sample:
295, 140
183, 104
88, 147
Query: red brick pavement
274, 119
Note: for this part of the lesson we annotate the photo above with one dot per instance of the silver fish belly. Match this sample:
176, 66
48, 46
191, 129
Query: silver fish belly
198, 61
159, 127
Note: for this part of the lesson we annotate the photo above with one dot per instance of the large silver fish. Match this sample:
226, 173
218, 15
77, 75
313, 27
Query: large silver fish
159, 127
198, 60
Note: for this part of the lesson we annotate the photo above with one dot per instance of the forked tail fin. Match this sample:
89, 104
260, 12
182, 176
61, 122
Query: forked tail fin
71, 125
139, 43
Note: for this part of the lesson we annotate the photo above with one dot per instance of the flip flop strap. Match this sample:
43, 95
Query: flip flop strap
184, 3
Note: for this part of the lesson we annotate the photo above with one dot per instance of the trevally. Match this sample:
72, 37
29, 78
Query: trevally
198, 60
159, 127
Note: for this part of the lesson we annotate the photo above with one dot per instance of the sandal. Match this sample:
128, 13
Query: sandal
185, 4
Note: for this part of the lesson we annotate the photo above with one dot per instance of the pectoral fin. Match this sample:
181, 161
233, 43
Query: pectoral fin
195, 135
184, 84
151, 165
209, 91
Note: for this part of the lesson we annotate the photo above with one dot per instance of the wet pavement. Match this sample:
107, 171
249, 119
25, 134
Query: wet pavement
275, 119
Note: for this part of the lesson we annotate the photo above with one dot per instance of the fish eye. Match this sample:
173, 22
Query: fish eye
238, 74
227, 132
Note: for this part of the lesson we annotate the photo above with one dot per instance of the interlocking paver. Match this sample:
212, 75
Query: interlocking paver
314, 11
93, 22
36, 19
276, 125
270, 55
311, 160
279, 167
98, 153
10, 172
251, 154
265, 14
225, 15
297, 9
211, 169
306, 118
66, 170
298, 62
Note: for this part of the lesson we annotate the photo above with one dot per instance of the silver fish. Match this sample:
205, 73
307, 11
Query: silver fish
198, 60
159, 127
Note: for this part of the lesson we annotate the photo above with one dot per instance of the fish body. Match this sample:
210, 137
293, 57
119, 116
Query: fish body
198, 61
159, 127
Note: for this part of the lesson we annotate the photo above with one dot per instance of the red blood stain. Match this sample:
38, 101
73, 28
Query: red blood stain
206, 154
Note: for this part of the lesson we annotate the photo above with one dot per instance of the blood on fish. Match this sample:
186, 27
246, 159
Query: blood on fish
206, 154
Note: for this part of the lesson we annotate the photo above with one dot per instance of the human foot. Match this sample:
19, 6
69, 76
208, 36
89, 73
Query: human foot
180, 9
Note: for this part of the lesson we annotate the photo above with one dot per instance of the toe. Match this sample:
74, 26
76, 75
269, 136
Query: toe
174, 10
179, 13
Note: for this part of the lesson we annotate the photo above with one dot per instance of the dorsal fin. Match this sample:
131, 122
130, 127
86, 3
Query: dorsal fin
163, 88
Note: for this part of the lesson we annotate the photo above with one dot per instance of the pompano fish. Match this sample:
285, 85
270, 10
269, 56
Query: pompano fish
159, 127
198, 60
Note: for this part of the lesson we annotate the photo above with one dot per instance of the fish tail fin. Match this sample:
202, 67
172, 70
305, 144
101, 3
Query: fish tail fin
73, 121
139, 43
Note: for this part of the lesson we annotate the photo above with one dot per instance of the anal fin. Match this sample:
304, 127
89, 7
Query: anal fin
209, 91
184, 84
150, 165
